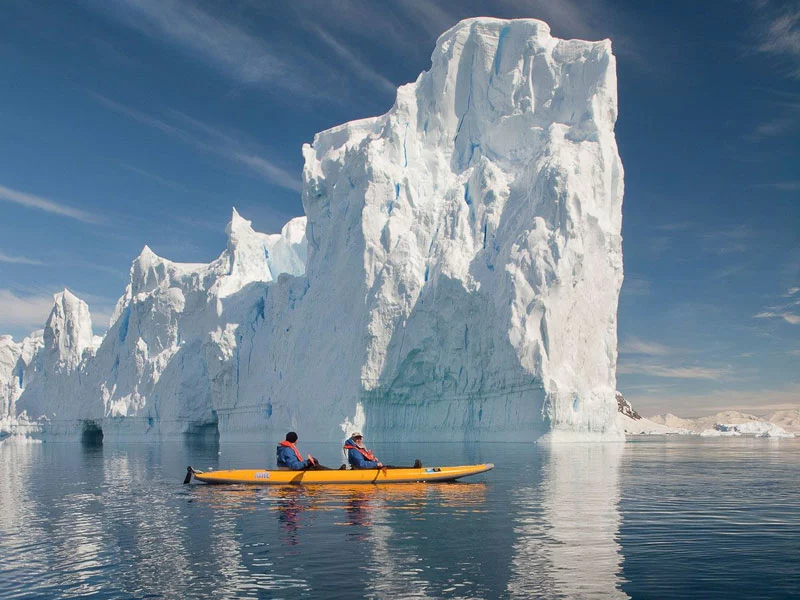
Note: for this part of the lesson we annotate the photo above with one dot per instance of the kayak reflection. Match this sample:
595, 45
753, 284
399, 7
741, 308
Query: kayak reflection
366, 506
289, 508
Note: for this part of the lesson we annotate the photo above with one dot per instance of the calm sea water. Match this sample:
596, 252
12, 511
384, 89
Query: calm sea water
652, 518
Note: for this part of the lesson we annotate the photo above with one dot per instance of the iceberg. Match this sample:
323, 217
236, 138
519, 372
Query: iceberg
755, 428
455, 277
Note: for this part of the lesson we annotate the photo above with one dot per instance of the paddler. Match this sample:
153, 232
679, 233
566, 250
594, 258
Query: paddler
358, 456
289, 456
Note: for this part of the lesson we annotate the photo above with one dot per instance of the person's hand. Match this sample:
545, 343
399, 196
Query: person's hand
312, 460
380, 465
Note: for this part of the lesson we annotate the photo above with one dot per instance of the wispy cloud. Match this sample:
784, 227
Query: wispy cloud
18, 260
398, 27
788, 309
636, 286
671, 372
232, 50
23, 311
268, 170
728, 241
773, 128
779, 29
430, 16
141, 117
721, 241
781, 186
356, 65
789, 317
733, 269
239, 151
157, 178
46, 204
754, 401
209, 139
633, 346
679, 226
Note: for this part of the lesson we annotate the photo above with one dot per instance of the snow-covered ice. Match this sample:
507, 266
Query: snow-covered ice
724, 424
456, 276
756, 428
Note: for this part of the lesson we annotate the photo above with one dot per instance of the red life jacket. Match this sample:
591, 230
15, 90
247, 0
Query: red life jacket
367, 454
286, 444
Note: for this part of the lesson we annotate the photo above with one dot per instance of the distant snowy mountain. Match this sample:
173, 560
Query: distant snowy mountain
632, 423
783, 423
456, 276
773, 425
788, 419
624, 407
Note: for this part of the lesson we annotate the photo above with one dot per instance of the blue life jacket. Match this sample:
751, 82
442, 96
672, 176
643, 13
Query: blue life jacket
287, 458
359, 458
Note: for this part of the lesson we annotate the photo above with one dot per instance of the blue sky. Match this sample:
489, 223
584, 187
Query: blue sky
125, 122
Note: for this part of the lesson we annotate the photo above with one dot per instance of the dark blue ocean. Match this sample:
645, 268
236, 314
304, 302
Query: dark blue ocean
651, 518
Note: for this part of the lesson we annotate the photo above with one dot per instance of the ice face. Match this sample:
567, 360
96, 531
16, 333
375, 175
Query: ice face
67, 333
10, 353
50, 375
455, 277
483, 212
172, 348
19, 364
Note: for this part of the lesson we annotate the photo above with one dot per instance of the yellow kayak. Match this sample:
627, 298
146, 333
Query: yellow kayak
276, 477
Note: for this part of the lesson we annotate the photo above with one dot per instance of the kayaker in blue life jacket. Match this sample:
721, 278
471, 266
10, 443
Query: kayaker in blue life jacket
358, 456
289, 456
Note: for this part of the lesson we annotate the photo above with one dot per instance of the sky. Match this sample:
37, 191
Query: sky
125, 123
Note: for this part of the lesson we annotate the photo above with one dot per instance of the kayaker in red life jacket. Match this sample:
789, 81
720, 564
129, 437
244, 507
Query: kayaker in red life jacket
358, 456
289, 456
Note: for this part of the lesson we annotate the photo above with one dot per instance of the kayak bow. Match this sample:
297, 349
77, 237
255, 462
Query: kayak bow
349, 476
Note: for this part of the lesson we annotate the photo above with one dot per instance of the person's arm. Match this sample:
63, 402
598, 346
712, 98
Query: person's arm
358, 461
373, 464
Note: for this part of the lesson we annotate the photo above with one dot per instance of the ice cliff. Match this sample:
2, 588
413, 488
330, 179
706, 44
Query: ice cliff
455, 277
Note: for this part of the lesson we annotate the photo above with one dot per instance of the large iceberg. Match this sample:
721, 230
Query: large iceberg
456, 276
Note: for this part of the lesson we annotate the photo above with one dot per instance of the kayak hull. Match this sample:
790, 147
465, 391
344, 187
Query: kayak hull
349, 476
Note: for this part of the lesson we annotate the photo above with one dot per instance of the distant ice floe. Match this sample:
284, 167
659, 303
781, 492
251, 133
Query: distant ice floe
754, 428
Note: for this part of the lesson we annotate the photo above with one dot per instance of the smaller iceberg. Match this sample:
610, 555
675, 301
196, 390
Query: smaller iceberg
755, 428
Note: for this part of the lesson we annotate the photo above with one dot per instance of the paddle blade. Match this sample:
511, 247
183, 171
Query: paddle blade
188, 478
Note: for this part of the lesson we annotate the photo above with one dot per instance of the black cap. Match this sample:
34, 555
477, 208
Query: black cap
291, 437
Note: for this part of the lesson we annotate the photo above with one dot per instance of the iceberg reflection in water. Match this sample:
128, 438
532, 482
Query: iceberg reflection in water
567, 526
